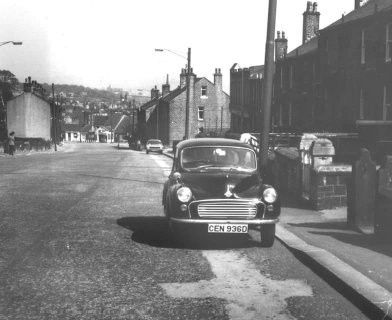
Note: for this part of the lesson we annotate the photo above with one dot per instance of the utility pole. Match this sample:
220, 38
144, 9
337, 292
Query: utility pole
54, 120
157, 114
267, 86
133, 116
188, 80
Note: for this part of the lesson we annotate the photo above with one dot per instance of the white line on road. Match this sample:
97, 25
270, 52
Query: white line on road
249, 294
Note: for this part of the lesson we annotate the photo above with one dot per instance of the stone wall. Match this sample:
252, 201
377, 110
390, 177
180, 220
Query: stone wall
329, 186
319, 181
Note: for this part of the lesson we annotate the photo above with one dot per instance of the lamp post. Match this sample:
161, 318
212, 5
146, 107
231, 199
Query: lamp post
188, 73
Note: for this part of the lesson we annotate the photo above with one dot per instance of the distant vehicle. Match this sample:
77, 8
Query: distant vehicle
154, 145
215, 183
134, 143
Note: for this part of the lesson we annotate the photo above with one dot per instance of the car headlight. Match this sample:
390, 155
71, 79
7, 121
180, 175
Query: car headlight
270, 195
184, 194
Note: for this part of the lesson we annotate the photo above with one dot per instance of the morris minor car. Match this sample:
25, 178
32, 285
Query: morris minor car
215, 183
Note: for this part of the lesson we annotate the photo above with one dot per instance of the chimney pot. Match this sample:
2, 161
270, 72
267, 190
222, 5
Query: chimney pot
309, 6
283, 35
278, 34
314, 6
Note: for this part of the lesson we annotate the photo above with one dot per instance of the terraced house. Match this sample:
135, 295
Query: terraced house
163, 117
340, 78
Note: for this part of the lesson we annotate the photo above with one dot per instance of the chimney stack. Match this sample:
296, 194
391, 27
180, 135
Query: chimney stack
280, 46
311, 22
154, 93
357, 4
183, 78
218, 79
166, 87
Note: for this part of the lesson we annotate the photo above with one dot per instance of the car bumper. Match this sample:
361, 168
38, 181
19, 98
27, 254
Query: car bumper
229, 221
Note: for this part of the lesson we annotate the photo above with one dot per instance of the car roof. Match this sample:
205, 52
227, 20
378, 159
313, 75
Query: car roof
199, 142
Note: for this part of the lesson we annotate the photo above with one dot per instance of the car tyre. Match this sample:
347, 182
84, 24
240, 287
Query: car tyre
147, 151
267, 235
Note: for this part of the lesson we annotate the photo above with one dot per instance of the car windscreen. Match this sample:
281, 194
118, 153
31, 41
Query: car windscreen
154, 142
210, 157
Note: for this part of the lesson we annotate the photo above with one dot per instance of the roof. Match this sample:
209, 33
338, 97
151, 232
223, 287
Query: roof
113, 119
170, 96
199, 142
256, 72
72, 127
99, 120
149, 104
366, 10
307, 47
122, 125
87, 128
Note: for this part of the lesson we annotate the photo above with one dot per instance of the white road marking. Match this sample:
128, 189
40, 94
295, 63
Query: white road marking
249, 294
163, 164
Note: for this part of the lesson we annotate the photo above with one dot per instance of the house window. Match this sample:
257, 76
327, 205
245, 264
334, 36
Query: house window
386, 110
361, 105
204, 91
75, 135
388, 43
200, 113
363, 47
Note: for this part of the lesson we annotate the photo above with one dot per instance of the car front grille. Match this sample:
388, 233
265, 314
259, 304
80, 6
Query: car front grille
229, 209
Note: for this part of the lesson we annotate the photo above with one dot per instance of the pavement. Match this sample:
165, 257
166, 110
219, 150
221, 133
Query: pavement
359, 263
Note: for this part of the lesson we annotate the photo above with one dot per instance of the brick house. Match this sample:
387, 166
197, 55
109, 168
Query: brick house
246, 86
163, 117
339, 79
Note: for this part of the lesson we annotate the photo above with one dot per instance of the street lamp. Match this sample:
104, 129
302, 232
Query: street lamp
187, 86
15, 43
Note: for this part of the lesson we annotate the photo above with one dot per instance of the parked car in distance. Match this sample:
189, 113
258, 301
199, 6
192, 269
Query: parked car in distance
154, 145
215, 183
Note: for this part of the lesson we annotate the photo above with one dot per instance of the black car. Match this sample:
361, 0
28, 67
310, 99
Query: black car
216, 183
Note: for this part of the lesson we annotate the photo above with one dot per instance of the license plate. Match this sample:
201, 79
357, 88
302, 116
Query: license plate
227, 228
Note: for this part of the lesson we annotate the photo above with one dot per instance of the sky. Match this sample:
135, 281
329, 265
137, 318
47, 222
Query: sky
98, 43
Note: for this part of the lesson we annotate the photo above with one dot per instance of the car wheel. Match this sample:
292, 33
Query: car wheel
147, 151
267, 235
161, 151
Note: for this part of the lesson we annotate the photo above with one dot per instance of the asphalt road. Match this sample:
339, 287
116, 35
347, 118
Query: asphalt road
82, 236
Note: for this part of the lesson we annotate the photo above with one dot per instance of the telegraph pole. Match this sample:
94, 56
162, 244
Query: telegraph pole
188, 80
54, 120
267, 86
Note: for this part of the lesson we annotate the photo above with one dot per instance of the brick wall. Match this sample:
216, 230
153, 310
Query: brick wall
329, 186
177, 117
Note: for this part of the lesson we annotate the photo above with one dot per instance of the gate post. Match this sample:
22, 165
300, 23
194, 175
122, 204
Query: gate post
383, 216
306, 163
361, 205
